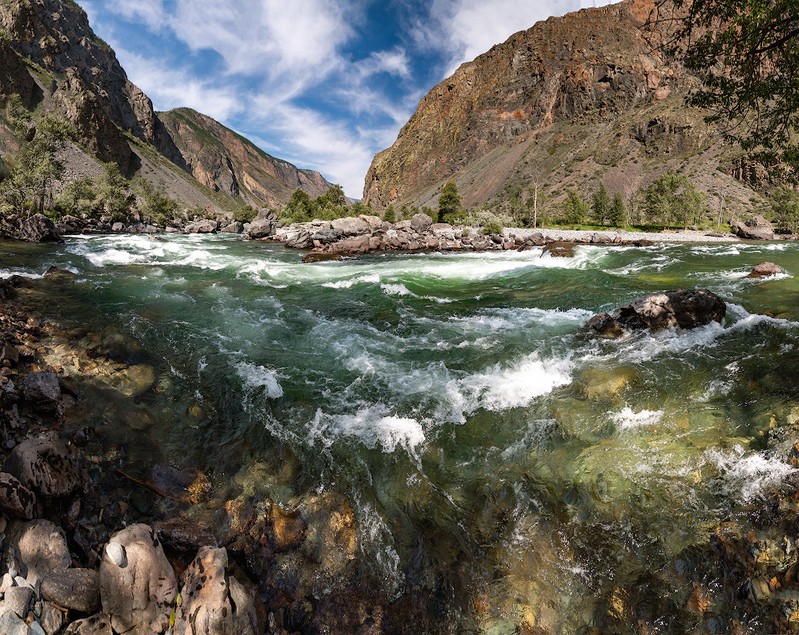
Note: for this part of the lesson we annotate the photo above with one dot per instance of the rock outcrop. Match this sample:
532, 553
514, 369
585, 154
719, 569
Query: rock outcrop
551, 108
685, 309
226, 162
756, 228
765, 270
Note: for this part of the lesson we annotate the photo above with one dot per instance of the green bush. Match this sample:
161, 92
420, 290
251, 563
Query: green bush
245, 214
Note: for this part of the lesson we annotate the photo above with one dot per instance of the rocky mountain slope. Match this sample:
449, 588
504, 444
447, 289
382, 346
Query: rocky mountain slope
50, 56
569, 103
227, 162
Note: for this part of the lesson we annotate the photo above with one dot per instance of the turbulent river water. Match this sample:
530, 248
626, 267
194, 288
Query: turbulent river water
454, 401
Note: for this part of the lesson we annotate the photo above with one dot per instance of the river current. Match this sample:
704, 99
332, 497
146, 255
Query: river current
454, 401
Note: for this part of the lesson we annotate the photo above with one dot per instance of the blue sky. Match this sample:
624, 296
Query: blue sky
325, 84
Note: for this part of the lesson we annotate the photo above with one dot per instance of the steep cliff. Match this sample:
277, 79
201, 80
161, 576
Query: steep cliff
227, 162
568, 103
52, 58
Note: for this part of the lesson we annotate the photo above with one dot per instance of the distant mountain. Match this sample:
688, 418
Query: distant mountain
569, 103
227, 162
50, 56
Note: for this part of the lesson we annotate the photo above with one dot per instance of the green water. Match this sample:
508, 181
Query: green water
494, 456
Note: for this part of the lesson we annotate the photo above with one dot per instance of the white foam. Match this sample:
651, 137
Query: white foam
498, 388
372, 425
397, 290
628, 419
749, 476
351, 282
256, 376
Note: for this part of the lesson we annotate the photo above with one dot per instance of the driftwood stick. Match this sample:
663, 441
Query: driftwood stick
139, 481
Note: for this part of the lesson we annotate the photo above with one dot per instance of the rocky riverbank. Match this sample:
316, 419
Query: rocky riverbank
90, 548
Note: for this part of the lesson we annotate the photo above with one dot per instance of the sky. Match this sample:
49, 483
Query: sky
324, 84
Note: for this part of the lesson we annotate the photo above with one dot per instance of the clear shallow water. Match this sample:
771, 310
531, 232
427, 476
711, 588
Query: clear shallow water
479, 436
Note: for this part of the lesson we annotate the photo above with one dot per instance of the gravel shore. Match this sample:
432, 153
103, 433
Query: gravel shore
620, 235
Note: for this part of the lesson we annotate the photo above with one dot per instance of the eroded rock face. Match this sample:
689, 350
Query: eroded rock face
44, 465
671, 309
263, 225
137, 583
214, 602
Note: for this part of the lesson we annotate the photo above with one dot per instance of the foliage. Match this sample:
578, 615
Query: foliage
575, 209
29, 185
672, 199
328, 206
390, 215
449, 202
155, 205
78, 198
747, 55
600, 206
18, 117
114, 199
785, 210
245, 214
618, 212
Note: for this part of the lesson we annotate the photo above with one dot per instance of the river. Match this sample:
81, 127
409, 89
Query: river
454, 401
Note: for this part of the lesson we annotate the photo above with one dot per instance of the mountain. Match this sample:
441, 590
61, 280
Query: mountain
51, 57
569, 103
227, 162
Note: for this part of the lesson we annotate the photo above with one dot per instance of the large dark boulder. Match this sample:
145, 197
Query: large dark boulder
685, 309
756, 228
38, 229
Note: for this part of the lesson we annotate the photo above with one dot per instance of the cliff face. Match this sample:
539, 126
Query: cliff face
50, 56
568, 99
227, 162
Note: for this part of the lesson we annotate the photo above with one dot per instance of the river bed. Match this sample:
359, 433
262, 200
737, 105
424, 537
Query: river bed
494, 455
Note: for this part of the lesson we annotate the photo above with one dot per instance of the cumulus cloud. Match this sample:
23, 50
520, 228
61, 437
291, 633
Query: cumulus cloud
170, 87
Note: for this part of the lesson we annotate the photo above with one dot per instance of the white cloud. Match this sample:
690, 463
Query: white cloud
173, 88
151, 12
309, 139
267, 37
393, 62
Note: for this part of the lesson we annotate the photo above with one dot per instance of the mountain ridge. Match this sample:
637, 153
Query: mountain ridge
569, 103
55, 61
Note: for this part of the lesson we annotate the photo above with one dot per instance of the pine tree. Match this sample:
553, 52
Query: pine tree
600, 205
449, 202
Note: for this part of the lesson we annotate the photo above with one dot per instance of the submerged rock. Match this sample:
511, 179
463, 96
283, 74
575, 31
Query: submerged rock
685, 309
560, 249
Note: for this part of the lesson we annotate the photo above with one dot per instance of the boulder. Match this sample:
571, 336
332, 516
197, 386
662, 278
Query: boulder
182, 535
235, 227
559, 249
764, 270
18, 599
350, 226
201, 227
38, 229
15, 499
35, 549
263, 225
41, 389
74, 589
671, 309
12, 624
137, 583
420, 223
756, 228
59, 275
95, 625
44, 465
213, 601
